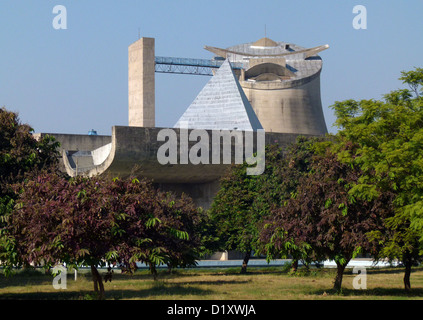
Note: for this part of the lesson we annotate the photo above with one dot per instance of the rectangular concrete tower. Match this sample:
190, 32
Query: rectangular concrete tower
141, 83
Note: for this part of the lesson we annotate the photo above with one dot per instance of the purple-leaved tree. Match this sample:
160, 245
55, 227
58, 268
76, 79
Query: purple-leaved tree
95, 221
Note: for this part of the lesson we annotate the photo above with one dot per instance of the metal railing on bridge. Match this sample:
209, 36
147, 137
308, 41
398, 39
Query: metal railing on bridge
190, 66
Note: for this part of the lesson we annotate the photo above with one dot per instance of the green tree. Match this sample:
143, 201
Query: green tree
21, 156
389, 139
233, 215
20, 152
244, 201
414, 79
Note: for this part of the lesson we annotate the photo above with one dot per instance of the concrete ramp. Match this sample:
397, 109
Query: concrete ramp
81, 162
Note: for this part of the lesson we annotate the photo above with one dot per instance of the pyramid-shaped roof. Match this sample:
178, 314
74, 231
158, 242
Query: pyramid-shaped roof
221, 105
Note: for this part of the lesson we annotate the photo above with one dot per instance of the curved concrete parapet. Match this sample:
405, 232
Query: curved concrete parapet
89, 163
134, 151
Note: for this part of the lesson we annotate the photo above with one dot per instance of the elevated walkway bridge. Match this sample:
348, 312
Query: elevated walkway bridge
203, 67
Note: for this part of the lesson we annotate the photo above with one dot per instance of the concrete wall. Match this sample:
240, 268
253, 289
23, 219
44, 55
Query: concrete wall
77, 142
141, 83
133, 151
202, 193
72, 143
288, 108
134, 146
100, 155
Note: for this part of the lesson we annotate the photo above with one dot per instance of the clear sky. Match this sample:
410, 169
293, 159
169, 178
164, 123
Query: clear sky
75, 80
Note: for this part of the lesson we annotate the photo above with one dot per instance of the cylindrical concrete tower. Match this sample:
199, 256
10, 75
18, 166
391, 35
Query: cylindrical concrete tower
282, 83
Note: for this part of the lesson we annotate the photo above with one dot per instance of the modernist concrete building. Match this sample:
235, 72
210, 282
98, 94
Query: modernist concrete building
282, 82
264, 84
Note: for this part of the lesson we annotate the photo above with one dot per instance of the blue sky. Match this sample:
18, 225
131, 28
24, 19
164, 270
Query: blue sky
75, 80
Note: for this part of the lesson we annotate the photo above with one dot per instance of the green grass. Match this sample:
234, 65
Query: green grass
272, 283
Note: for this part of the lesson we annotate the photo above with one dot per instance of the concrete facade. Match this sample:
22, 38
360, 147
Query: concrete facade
141, 83
288, 108
279, 90
78, 148
282, 82
133, 151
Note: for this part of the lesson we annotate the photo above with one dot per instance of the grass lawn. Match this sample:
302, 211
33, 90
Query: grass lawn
271, 283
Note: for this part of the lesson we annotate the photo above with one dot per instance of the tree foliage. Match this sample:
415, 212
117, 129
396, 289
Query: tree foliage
389, 139
20, 152
414, 79
94, 222
232, 212
323, 218
244, 201
280, 182
21, 156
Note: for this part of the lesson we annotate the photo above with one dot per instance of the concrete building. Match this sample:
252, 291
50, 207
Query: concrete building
273, 85
264, 84
133, 151
282, 82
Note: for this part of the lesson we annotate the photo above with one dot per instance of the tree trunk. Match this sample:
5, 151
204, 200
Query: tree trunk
294, 267
245, 261
408, 263
153, 270
339, 275
98, 282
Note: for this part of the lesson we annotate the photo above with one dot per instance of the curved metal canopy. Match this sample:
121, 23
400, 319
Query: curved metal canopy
308, 52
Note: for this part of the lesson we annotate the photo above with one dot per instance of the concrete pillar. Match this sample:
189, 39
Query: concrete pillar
141, 83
